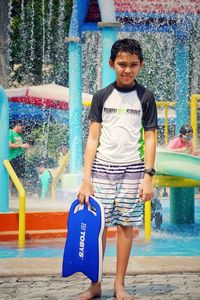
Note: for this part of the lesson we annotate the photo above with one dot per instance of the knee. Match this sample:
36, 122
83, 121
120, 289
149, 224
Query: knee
127, 231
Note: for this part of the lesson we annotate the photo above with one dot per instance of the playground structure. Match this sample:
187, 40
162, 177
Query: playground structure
111, 20
116, 16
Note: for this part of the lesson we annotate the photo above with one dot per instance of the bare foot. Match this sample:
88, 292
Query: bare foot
94, 291
121, 294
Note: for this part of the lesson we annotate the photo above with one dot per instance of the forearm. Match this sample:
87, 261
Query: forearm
90, 153
150, 149
15, 146
91, 148
146, 190
92, 143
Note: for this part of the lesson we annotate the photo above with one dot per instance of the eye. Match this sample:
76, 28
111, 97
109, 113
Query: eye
134, 65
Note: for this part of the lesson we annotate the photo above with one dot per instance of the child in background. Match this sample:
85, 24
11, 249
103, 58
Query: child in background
183, 143
45, 180
64, 156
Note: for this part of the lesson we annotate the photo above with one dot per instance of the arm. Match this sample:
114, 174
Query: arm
90, 152
146, 190
14, 146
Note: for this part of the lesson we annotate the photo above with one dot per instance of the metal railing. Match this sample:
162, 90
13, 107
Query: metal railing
22, 203
166, 105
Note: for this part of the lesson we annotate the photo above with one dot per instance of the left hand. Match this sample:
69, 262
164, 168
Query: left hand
146, 188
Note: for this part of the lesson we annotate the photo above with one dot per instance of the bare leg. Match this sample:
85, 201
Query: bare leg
124, 243
94, 290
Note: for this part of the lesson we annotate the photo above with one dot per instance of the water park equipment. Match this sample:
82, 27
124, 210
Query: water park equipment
22, 203
183, 174
122, 16
157, 16
40, 102
4, 123
177, 21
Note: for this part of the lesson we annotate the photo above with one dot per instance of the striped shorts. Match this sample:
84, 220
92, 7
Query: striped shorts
117, 187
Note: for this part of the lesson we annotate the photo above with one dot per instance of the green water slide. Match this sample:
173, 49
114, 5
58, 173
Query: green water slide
183, 172
177, 164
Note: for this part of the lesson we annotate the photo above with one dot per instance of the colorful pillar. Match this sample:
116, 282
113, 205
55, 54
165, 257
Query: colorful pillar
72, 180
109, 35
4, 124
182, 199
181, 205
182, 73
75, 105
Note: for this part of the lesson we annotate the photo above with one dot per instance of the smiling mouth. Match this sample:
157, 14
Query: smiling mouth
127, 77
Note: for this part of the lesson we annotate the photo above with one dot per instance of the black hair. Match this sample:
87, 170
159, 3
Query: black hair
18, 122
126, 45
185, 129
41, 163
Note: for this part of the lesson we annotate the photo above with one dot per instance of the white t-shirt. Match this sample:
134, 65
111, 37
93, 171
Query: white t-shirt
124, 115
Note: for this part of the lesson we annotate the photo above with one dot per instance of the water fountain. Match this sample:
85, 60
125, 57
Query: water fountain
168, 34
166, 21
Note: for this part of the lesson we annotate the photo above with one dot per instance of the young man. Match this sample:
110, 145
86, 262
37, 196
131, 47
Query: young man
117, 169
17, 150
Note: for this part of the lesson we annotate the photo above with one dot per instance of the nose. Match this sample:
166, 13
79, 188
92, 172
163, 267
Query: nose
127, 70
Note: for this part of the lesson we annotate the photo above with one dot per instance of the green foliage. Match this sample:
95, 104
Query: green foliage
47, 141
38, 51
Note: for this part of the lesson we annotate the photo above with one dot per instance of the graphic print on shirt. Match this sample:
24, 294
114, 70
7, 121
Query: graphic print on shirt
121, 124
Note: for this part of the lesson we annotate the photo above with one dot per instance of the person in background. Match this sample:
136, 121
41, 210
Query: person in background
17, 148
45, 178
64, 154
183, 142
118, 169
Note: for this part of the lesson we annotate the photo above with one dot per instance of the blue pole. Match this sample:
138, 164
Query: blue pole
75, 106
182, 74
109, 36
182, 199
4, 124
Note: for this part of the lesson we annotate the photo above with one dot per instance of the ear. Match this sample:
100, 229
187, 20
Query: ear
111, 63
142, 64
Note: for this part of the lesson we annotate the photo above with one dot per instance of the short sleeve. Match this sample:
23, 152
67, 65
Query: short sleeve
95, 113
11, 139
150, 120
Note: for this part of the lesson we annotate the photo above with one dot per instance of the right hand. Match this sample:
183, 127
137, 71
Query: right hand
85, 191
26, 146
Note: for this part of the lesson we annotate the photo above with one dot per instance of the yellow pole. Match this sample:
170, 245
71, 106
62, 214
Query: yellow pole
147, 220
193, 104
58, 174
166, 124
22, 203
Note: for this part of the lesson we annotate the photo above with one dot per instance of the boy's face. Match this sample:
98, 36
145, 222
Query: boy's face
127, 66
20, 128
40, 169
186, 138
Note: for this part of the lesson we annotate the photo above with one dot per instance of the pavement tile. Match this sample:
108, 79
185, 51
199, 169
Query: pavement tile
178, 286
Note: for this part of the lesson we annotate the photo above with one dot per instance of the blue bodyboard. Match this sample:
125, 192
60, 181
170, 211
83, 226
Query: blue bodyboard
83, 248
